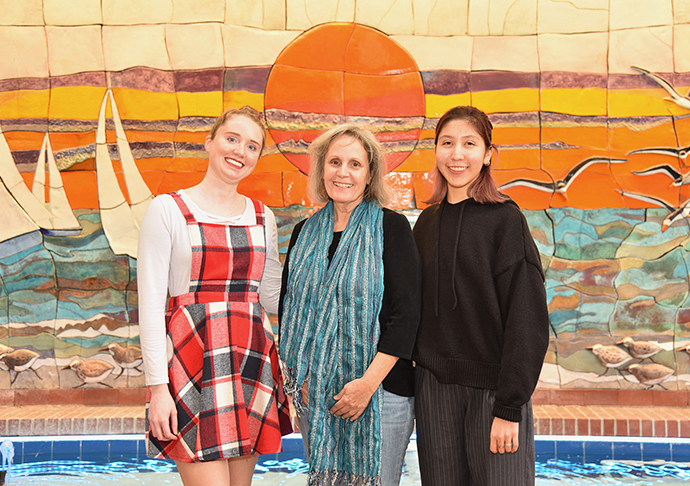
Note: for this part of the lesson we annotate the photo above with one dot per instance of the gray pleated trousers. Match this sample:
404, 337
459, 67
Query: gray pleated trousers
453, 435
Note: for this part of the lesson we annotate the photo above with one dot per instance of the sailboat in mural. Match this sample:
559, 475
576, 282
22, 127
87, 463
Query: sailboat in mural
120, 219
64, 223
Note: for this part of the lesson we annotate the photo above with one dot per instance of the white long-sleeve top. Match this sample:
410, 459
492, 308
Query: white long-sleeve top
164, 265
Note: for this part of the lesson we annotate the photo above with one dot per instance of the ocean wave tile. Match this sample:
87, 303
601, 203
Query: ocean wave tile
665, 280
642, 312
647, 241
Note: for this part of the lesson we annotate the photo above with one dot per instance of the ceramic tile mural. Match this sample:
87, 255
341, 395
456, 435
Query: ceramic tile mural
103, 106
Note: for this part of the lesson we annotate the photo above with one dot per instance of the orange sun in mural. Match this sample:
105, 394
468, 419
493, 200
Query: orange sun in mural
344, 72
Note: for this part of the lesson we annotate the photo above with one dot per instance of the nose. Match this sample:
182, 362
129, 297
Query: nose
239, 149
457, 151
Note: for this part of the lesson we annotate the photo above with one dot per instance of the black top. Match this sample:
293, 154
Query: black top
400, 308
485, 322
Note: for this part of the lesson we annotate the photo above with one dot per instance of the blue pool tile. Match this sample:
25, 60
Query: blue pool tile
95, 450
37, 451
597, 451
680, 452
141, 450
570, 451
627, 451
66, 450
123, 450
545, 450
652, 451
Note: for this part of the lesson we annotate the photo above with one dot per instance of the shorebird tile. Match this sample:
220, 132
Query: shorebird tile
626, 14
389, 16
74, 12
136, 45
187, 11
75, 49
133, 12
556, 17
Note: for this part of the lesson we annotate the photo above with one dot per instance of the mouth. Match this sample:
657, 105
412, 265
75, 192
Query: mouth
343, 185
234, 162
458, 169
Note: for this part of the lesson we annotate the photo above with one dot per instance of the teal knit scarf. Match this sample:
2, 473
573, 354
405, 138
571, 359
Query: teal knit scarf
329, 335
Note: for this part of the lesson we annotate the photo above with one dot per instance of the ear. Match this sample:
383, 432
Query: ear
207, 143
488, 155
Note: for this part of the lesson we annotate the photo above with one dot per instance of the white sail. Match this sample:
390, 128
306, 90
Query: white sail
14, 221
15, 184
139, 194
119, 224
64, 222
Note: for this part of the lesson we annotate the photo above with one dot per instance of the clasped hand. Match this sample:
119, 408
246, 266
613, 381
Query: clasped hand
353, 399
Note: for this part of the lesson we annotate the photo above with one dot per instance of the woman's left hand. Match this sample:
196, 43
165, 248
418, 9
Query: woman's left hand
504, 436
353, 399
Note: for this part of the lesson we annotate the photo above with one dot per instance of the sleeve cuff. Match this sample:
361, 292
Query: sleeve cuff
510, 414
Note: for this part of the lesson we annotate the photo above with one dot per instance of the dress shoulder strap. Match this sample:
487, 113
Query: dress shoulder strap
188, 216
260, 213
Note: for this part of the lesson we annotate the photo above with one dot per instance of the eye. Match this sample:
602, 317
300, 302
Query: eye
253, 147
356, 163
232, 139
446, 143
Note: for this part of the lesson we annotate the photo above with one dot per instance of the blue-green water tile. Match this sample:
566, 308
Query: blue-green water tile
648, 242
31, 307
642, 315
74, 311
286, 219
109, 300
20, 244
35, 265
541, 227
96, 275
590, 316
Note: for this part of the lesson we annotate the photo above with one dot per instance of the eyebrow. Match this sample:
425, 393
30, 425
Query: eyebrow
240, 136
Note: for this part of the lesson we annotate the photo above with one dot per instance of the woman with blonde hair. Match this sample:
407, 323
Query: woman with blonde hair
351, 287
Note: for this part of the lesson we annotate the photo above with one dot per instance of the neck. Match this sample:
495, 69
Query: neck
341, 214
217, 198
454, 196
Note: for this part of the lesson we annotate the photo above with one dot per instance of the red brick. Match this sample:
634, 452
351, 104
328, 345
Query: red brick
621, 427
67, 397
103, 426
684, 428
90, 426
672, 428
13, 427
6, 398
660, 428
115, 426
636, 398
131, 396
595, 427
25, 427
140, 426
583, 426
557, 426
600, 397
567, 397
39, 427
670, 398
100, 396
3, 428
646, 428
31, 397
541, 397
609, 427
544, 426
569, 426
128, 425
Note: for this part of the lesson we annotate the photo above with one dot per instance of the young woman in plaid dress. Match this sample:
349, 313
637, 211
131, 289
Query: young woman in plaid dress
214, 397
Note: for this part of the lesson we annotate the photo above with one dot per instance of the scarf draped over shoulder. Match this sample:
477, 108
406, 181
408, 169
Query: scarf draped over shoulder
329, 336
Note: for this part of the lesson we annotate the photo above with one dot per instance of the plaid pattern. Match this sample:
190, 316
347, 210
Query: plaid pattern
224, 371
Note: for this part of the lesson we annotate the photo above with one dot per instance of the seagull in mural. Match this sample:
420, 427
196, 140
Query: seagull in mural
562, 185
640, 349
675, 214
682, 101
92, 371
610, 356
679, 179
20, 360
650, 374
129, 357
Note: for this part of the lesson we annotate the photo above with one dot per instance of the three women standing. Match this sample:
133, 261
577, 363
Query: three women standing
349, 317
215, 394
484, 327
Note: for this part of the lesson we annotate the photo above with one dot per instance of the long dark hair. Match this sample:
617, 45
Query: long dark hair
484, 189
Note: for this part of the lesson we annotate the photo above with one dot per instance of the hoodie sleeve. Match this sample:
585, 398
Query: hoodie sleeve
525, 314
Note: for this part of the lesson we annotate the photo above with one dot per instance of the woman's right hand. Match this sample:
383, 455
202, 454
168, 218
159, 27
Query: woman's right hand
162, 413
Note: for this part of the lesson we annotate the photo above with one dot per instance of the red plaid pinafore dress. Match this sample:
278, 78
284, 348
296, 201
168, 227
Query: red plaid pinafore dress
224, 371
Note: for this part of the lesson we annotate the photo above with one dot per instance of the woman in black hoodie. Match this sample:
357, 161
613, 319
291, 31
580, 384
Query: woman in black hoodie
484, 328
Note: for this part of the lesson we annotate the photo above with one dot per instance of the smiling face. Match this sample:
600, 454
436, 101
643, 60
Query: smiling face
235, 149
460, 155
346, 171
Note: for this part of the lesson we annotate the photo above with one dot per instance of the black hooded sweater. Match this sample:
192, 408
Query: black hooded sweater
485, 322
